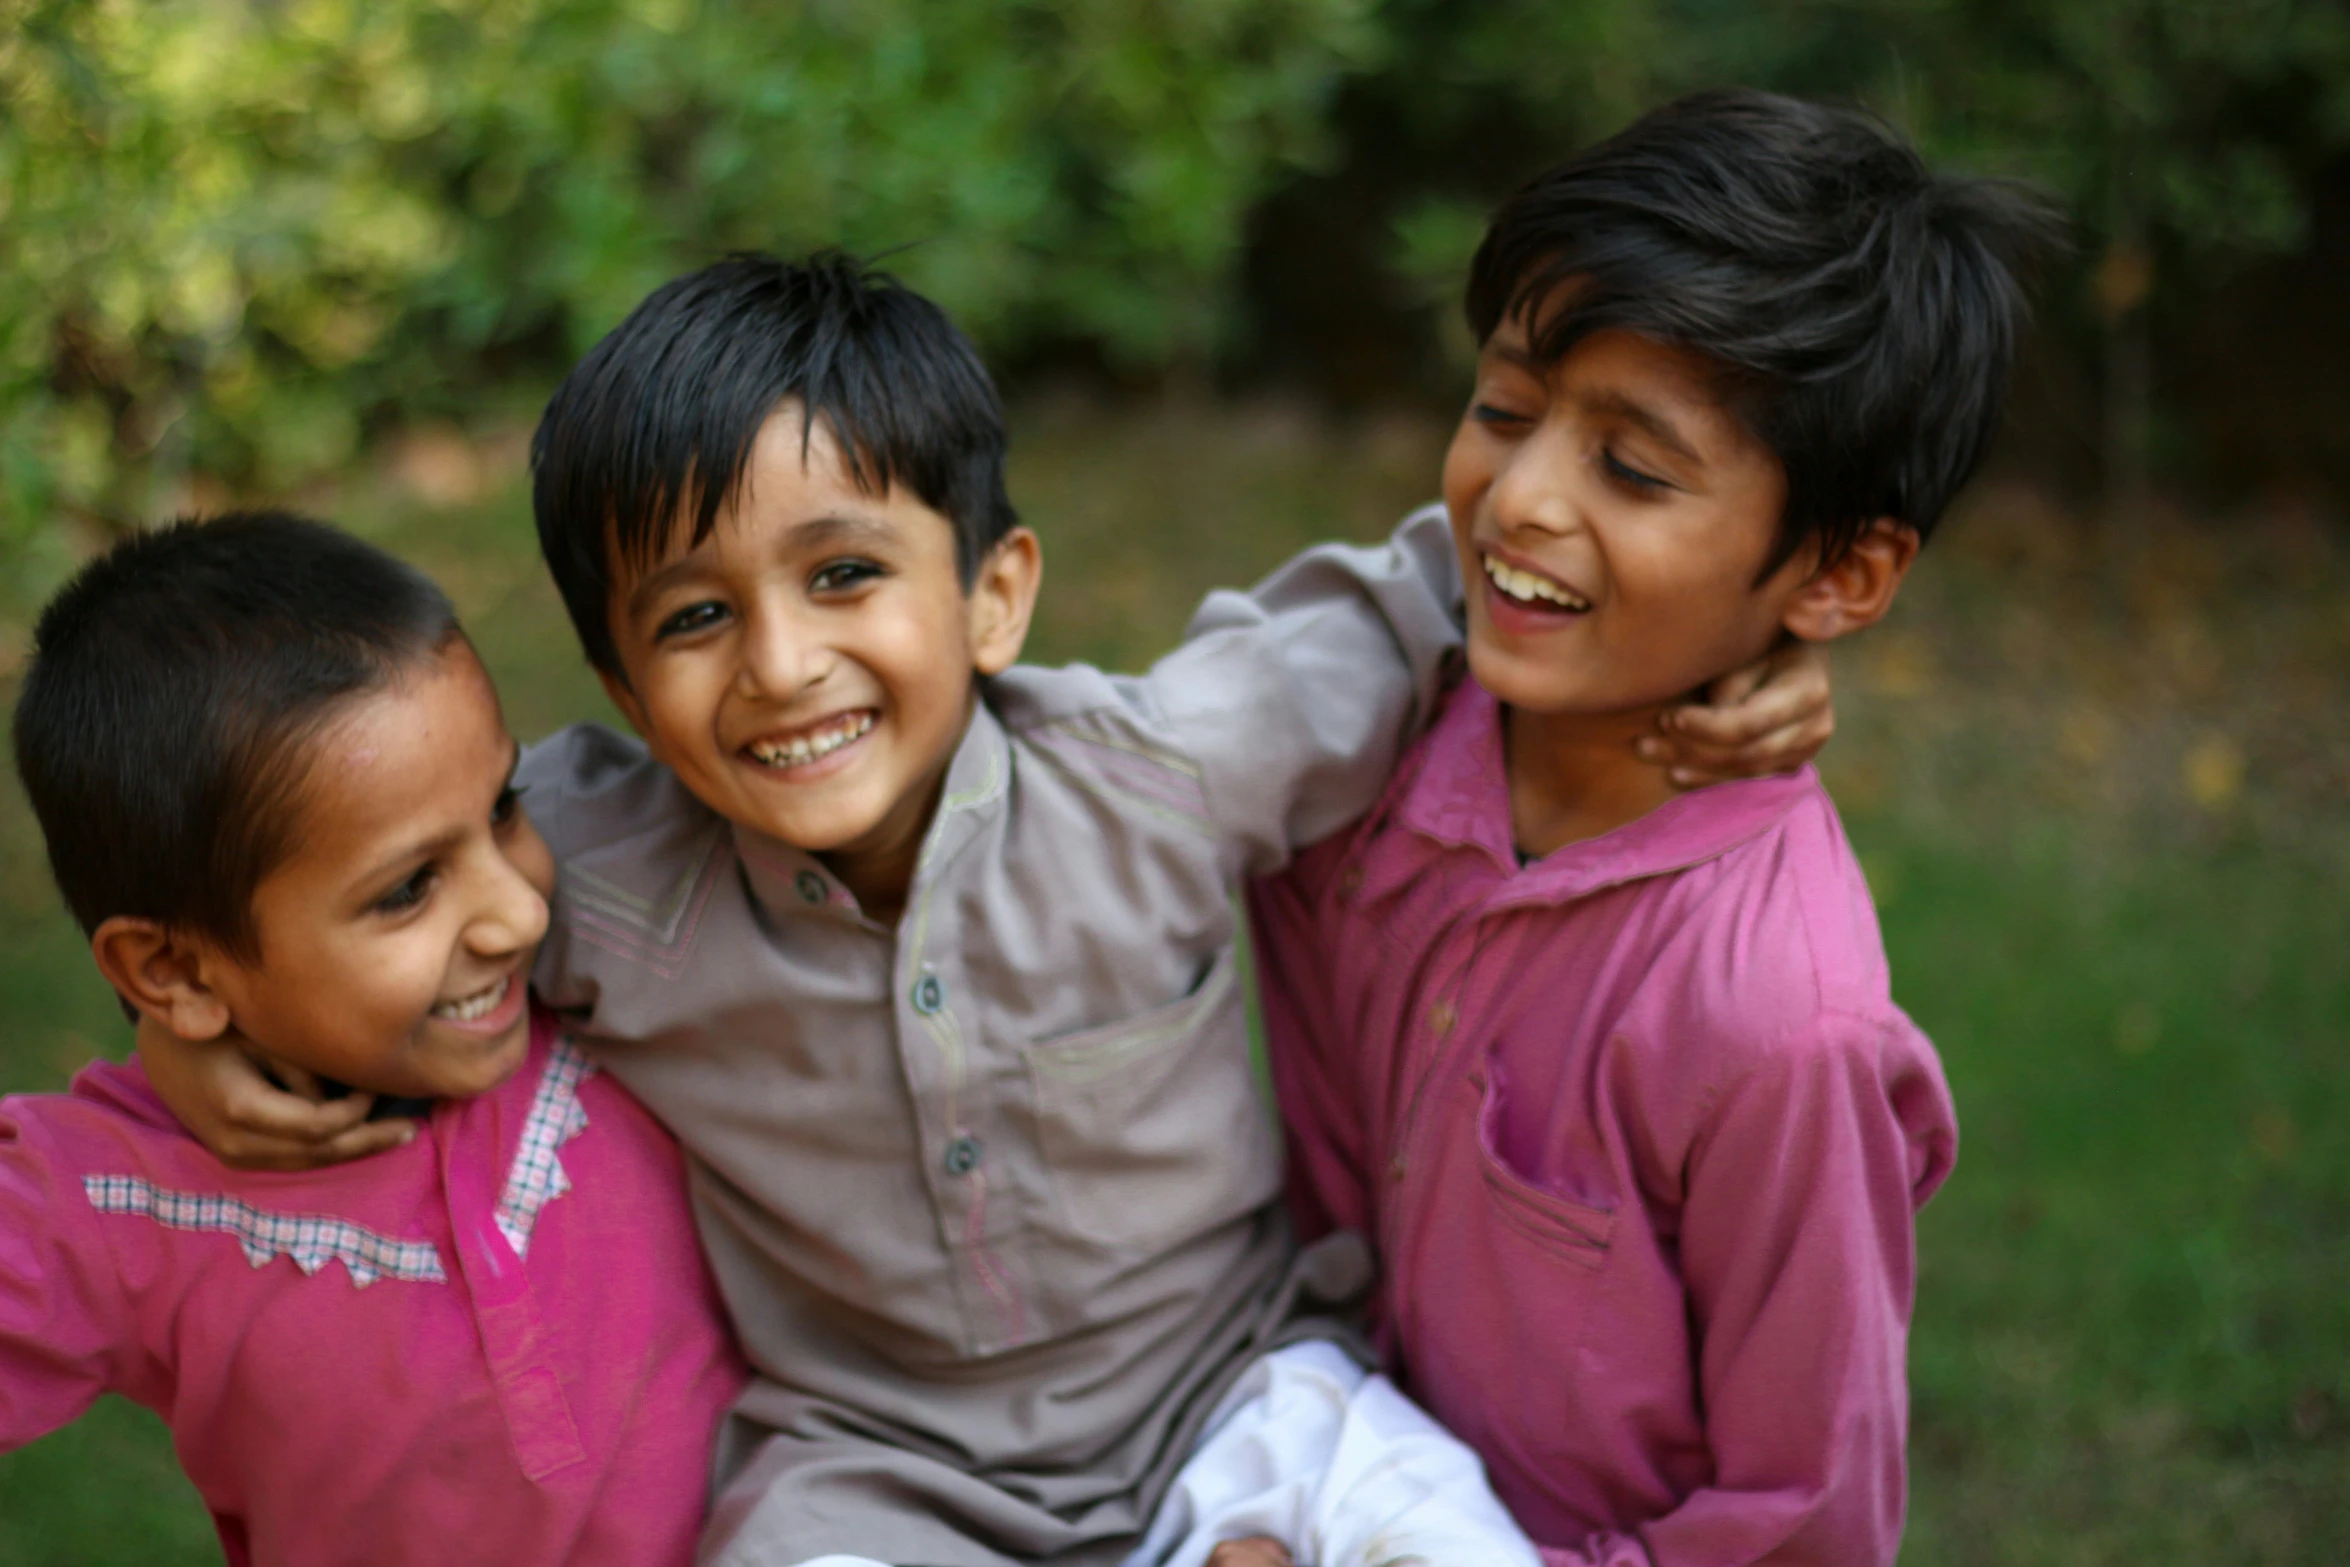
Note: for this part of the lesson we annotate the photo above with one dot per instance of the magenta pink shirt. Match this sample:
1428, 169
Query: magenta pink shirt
497, 1344
1639, 1135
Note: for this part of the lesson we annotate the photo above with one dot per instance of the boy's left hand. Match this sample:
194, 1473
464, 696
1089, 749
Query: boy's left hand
1770, 717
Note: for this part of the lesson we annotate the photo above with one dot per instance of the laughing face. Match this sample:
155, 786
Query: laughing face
1612, 517
395, 943
807, 669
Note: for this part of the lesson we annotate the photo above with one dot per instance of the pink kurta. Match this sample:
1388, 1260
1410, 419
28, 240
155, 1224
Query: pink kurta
1640, 1135
497, 1344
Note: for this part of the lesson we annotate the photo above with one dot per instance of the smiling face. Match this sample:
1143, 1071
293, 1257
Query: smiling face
395, 944
808, 668
1611, 516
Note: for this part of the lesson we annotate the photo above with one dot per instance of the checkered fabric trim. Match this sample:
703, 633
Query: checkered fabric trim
312, 1239
556, 1117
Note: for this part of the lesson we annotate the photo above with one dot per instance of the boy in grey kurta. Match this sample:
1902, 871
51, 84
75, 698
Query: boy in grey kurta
928, 958
979, 1155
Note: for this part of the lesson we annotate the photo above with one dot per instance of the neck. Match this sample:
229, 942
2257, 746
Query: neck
1574, 776
879, 868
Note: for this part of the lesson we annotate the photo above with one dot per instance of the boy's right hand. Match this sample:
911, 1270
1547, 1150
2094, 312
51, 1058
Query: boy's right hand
227, 1102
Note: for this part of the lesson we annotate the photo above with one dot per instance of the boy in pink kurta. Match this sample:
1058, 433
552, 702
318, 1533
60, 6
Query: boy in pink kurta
1638, 1131
276, 790
1614, 1079
497, 1343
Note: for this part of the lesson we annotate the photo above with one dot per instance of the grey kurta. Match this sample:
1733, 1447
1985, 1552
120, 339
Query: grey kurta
992, 1195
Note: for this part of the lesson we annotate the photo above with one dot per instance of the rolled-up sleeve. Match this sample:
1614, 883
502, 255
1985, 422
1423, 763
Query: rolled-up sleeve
63, 1339
1295, 698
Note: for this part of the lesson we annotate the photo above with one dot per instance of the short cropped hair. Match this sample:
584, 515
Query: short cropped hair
163, 733
658, 421
1861, 311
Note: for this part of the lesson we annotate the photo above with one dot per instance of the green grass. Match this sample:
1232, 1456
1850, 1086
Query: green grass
2135, 1295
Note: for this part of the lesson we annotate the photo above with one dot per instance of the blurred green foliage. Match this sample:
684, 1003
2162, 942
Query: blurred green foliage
236, 237
235, 233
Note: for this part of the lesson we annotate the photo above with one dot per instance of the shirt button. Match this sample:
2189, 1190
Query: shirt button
1350, 880
963, 1155
811, 888
929, 994
1441, 1018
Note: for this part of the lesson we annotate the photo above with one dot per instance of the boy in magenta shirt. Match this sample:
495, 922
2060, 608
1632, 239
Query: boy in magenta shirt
1614, 1078
276, 788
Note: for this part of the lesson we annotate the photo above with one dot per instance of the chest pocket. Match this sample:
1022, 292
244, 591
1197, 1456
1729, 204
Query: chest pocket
1154, 1126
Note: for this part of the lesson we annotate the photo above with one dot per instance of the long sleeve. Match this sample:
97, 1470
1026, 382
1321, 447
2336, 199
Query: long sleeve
1798, 1247
1295, 698
1323, 1117
63, 1335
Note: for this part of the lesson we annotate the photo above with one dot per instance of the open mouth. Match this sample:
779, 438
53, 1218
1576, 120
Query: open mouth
473, 1008
1532, 590
813, 744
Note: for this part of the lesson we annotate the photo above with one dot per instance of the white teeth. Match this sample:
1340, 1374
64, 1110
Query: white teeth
1528, 588
802, 749
475, 1007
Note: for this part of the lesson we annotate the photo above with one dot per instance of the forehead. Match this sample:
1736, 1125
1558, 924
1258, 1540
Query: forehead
1620, 372
796, 473
403, 758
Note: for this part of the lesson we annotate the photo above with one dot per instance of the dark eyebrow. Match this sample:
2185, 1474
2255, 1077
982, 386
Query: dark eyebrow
834, 529
653, 583
1517, 355
1651, 423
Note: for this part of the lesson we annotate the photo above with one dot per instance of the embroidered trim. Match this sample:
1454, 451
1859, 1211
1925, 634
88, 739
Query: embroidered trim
312, 1240
662, 937
556, 1117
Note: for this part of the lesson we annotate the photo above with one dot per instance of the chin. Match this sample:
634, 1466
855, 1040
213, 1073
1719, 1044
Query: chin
1516, 681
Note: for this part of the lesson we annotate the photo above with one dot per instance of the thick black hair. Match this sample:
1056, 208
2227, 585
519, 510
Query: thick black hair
1862, 311
658, 421
175, 683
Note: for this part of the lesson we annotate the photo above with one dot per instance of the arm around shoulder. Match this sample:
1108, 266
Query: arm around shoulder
1296, 697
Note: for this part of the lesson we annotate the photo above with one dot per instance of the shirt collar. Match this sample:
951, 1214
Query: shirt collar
784, 877
1461, 797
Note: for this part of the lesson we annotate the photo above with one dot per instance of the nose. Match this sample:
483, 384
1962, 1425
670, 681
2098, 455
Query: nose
513, 912
1535, 489
780, 655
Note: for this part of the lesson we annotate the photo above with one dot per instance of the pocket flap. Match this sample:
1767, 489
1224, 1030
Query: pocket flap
1094, 1053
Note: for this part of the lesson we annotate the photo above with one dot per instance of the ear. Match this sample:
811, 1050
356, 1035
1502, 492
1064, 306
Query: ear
163, 976
1857, 590
1003, 599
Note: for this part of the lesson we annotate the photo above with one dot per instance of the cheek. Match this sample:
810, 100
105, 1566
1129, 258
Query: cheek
1467, 470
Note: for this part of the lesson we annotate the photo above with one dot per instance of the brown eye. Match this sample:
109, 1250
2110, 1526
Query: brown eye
692, 618
835, 576
408, 894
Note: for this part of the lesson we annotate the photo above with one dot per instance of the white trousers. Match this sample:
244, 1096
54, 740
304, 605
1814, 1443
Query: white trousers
1312, 1450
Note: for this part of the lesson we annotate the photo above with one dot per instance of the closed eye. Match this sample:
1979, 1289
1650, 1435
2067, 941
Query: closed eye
1489, 414
1623, 473
700, 616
